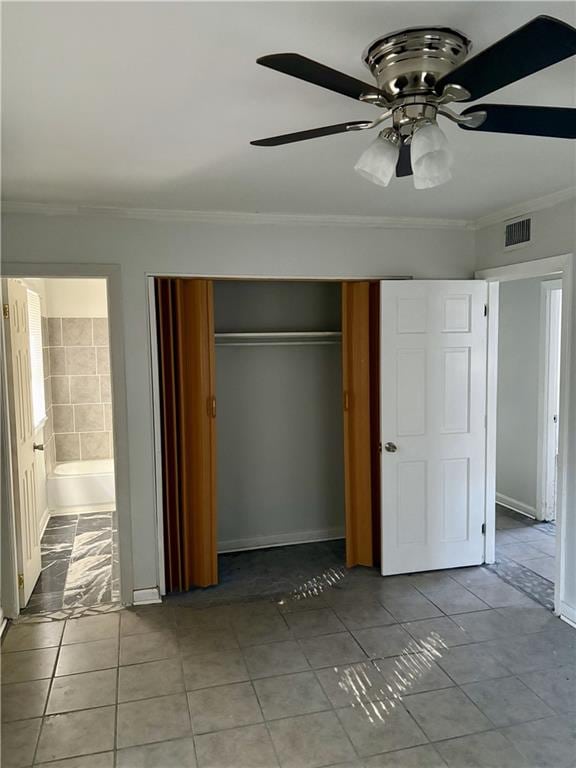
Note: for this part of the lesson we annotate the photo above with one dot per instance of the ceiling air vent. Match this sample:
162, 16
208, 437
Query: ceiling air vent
518, 233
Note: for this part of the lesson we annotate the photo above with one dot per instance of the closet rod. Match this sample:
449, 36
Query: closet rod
280, 338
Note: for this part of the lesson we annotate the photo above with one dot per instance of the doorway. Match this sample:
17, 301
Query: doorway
61, 429
528, 427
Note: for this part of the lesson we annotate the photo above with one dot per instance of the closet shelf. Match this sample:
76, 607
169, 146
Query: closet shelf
281, 338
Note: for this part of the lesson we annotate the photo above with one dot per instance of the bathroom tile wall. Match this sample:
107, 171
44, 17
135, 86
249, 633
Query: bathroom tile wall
79, 365
49, 448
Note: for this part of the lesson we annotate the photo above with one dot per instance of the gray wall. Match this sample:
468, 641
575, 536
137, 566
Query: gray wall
280, 446
192, 247
518, 373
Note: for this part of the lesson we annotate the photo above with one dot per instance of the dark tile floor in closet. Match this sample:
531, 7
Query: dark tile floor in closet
77, 563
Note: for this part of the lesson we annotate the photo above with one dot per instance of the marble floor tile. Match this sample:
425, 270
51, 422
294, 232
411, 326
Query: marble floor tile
290, 695
21, 666
507, 701
557, 687
87, 657
27, 637
248, 746
150, 720
274, 659
76, 733
101, 760
379, 642
18, 743
310, 741
91, 628
217, 668
82, 691
352, 684
470, 663
446, 714
178, 753
154, 678
549, 743
21, 701
380, 727
226, 706
412, 673
153, 646
415, 757
332, 650
482, 750
322, 621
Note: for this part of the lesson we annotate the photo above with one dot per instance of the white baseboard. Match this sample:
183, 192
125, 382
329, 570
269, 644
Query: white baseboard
568, 614
280, 540
146, 596
44, 521
516, 505
83, 510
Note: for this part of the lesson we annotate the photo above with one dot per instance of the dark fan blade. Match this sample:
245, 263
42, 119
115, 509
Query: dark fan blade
318, 74
558, 122
539, 44
315, 133
404, 165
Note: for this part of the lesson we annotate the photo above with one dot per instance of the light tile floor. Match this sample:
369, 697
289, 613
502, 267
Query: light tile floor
456, 669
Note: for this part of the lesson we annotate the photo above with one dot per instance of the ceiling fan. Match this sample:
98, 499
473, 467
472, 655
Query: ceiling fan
418, 72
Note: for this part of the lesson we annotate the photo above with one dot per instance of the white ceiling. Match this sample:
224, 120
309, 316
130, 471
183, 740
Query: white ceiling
154, 104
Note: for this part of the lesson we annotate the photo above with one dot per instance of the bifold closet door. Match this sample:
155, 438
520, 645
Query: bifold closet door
356, 365
185, 320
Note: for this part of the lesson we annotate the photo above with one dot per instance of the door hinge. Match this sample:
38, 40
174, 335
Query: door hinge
483, 528
5, 311
485, 310
20, 581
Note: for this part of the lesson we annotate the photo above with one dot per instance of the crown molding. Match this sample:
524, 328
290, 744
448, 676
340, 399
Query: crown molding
232, 217
528, 206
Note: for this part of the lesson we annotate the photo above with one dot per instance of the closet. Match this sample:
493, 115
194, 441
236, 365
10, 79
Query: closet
268, 437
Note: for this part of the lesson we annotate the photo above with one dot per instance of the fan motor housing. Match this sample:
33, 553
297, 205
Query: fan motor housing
411, 61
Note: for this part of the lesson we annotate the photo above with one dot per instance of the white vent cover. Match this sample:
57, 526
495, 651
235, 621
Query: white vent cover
518, 233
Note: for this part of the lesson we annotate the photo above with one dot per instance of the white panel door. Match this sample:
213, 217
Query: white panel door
22, 439
433, 406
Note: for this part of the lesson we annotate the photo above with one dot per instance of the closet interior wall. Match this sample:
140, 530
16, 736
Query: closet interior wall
280, 474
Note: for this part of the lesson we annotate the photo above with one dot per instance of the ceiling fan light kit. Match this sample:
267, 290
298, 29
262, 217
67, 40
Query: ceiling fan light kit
418, 72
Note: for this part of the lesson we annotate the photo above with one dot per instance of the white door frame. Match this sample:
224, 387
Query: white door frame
112, 274
548, 386
563, 267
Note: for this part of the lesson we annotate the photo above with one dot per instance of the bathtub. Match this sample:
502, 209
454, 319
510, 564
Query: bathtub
81, 484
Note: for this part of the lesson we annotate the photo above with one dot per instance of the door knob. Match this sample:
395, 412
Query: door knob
390, 447
38, 446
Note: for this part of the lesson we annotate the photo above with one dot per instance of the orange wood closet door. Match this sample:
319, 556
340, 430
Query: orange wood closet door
185, 317
357, 422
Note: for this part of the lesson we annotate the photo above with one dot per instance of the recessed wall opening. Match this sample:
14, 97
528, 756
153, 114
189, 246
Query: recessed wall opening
271, 471
61, 424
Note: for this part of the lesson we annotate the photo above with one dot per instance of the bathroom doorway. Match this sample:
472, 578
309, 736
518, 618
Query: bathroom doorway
60, 408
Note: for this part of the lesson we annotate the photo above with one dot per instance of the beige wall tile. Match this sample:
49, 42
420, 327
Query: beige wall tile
67, 447
105, 389
60, 389
89, 418
95, 445
77, 331
46, 360
57, 360
48, 427
108, 416
48, 391
103, 359
54, 332
84, 389
63, 418
81, 360
100, 325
